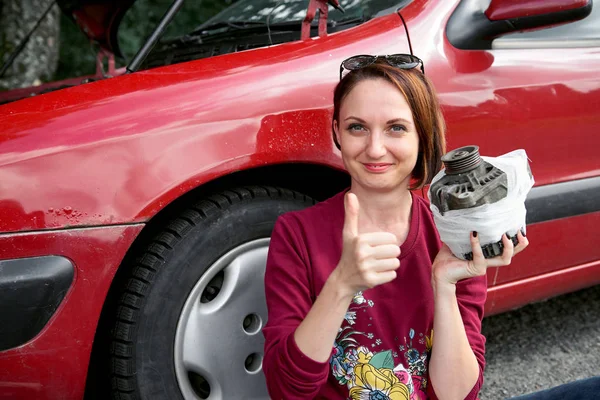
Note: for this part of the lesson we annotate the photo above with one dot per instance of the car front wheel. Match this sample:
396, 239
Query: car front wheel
189, 319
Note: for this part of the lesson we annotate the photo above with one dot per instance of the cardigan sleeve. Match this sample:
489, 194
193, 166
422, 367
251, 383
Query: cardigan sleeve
289, 373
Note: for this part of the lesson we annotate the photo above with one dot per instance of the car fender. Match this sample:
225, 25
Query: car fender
119, 150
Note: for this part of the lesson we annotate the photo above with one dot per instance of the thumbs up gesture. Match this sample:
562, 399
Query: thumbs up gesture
368, 259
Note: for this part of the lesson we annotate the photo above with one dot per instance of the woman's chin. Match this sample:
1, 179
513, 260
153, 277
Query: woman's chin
382, 185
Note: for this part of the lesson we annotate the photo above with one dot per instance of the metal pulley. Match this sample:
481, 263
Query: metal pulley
469, 181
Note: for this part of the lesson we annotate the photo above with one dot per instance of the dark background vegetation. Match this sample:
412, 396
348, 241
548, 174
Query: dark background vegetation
77, 55
59, 37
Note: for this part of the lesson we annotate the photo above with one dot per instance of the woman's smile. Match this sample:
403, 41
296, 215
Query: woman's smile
377, 168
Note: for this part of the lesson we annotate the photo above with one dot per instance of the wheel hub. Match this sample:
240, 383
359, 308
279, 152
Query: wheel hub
218, 343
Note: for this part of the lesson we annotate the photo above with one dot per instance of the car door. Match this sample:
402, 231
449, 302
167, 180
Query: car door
539, 91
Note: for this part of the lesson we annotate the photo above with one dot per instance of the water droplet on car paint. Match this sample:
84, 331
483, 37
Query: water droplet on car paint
68, 210
50, 210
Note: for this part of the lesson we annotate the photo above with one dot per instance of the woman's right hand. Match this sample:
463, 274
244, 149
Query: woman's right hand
368, 259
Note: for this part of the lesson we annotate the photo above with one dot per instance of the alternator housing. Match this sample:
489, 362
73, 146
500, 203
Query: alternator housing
469, 181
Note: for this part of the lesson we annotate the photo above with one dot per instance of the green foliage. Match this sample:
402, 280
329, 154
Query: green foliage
78, 55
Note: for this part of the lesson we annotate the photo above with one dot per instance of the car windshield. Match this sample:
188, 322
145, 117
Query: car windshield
281, 11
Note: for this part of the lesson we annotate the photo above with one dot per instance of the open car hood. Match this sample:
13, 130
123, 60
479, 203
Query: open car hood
98, 19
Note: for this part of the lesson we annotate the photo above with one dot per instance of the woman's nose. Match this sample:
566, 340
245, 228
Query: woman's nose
376, 145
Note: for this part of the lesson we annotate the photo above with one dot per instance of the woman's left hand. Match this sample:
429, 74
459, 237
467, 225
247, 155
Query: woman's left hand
449, 269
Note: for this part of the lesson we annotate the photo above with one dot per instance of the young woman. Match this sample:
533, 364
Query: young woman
357, 285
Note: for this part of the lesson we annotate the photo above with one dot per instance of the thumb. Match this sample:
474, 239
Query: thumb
351, 208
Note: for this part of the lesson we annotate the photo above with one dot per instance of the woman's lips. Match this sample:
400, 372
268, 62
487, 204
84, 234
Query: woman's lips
377, 167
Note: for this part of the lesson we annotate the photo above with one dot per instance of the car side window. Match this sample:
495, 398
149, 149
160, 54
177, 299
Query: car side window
582, 33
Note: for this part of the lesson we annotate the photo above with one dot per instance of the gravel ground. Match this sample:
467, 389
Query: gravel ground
542, 345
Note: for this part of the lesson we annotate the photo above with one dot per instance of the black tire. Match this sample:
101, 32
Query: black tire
142, 337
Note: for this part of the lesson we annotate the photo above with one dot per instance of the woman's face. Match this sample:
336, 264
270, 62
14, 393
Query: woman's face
377, 135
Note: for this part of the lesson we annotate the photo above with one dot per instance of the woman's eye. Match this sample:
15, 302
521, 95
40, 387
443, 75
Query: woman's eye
398, 128
355, 128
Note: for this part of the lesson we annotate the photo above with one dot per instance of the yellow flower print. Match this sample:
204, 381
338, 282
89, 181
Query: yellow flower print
377, 384
364, 355
429, 341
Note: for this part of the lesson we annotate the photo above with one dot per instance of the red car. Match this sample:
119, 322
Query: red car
136, 210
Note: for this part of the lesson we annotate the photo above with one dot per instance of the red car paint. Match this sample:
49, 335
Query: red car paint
499, 10
54, 364
104, 158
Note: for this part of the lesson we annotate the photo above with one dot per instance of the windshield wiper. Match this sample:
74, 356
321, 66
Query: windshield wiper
243, 25
346, 21
202, 30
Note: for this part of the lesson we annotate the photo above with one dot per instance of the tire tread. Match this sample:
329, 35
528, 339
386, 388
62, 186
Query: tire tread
122, 337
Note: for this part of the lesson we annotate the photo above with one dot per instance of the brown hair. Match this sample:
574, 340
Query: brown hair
422, 99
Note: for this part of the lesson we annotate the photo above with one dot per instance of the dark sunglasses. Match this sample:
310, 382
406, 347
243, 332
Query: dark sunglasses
402, 61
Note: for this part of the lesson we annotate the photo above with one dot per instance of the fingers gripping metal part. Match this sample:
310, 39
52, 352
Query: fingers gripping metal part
492, 250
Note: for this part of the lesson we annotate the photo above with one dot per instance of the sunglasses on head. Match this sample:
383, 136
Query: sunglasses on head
402, 61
